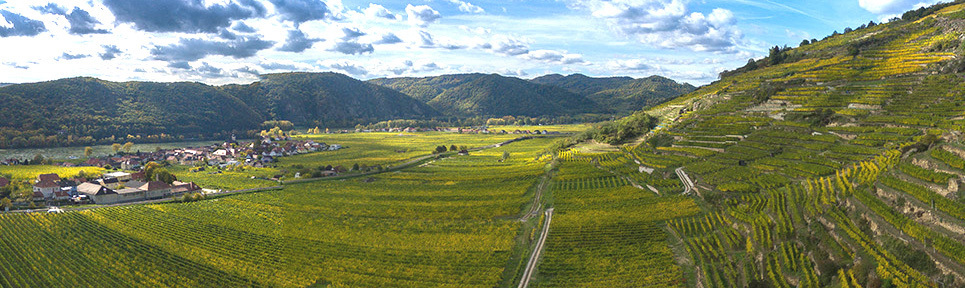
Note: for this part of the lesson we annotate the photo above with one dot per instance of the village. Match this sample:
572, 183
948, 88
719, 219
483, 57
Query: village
120, 186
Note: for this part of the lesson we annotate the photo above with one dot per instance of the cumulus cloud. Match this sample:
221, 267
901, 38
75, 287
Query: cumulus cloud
421, 15
243, 28
352, 33
352, 47
67, 56
297, 42
389, 39
430, 42
300, 11
507, 46
82, 23
667, 23
110, 52
346, 66
628, 65
182, 15
409, 66
377, 11
209, 71
17, 25
51, 8
467, 7
552, 56
193, 49
882, 7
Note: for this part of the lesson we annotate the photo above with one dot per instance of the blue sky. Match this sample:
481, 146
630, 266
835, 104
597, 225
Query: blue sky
232, 41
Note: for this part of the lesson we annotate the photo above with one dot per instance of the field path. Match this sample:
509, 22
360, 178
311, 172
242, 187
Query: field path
531, 266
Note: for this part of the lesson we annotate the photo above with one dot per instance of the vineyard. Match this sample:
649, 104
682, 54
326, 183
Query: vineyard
839, 163
429, 226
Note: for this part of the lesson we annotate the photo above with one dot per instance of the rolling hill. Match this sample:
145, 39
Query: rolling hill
84, 111
327, 99
494, 95
623, 94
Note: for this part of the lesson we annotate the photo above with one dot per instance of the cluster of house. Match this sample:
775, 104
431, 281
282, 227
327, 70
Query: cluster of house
256, 153
115, 187
475, 130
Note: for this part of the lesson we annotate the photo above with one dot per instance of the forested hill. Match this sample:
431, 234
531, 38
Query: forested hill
327, 99
425, 88
838, 162
467, 94
624, 94
494, 95
84, 111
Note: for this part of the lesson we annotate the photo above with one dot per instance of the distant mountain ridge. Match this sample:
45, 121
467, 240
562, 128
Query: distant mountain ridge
87, 111
623, 94
492, 95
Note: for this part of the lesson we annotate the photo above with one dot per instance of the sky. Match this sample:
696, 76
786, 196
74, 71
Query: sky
233, 41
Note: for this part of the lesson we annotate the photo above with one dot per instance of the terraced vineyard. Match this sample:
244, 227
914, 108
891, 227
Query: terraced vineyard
842, 167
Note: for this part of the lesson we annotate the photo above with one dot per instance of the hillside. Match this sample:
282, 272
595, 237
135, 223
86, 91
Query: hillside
623, 94
81, 111
86, 111
425, 88
838, 163
494, 95
468, 95
327, 99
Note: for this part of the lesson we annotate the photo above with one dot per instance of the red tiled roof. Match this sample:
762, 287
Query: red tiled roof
46, 184
51, 177
154, 185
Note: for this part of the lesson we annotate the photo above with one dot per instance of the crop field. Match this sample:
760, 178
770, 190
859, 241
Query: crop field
380, 148
32, 171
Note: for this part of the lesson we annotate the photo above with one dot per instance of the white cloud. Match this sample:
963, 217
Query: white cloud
667, 23
467, 7
377, 11
551, 56
882, 7
421, 15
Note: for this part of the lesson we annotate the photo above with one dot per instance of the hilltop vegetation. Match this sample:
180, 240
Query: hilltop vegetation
491, 95
84, 111
623, 94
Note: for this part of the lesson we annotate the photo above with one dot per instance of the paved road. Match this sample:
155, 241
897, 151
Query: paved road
688, 184
531, 266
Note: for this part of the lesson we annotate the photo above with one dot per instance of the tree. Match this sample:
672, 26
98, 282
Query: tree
453, 148
127, 147
441, 149
116, 147
355, 167
5, 203
149, 170
505, 155
164, 175
88, 151
38, 159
